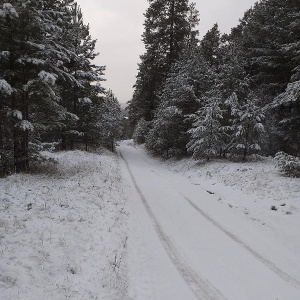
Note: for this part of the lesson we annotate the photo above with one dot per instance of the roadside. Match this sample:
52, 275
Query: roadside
255, 189
63, 230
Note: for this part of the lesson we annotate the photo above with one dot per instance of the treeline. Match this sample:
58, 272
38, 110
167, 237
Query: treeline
233, 94
50, 91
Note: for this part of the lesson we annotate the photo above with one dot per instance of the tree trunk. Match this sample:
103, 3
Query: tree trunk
245, 154
63, 144
172, 39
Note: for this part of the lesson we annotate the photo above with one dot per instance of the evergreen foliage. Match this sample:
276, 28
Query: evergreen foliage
180, 97
49, 87
207, 134
169, 27
248, 127
230, 94
111, 120
165, 138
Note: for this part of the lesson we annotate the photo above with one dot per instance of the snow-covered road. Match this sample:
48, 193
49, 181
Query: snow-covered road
184, 245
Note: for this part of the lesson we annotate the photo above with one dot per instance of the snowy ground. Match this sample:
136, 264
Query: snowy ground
102, 227
254, 188
63, 231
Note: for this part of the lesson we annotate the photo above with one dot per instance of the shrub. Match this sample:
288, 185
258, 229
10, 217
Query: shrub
288, 165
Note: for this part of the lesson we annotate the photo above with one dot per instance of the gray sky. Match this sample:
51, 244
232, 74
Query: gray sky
118, 26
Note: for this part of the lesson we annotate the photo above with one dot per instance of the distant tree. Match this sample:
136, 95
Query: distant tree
111, 120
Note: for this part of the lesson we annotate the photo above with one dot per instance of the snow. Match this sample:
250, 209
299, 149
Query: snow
63, 230
4, 54
47, 77
17, 114
252, 189
26, 125
5, 87
8, 11
31, 60
99, 226
85, 100
259, 127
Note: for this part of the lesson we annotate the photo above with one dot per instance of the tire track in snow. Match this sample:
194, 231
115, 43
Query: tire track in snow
202, 289
282, 274
258, 256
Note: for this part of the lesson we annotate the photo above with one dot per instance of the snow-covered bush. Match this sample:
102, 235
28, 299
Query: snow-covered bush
288, 165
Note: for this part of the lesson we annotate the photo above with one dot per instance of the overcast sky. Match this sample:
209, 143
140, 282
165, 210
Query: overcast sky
118, 26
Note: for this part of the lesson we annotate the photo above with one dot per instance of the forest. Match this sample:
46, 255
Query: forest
50, 90
231, 95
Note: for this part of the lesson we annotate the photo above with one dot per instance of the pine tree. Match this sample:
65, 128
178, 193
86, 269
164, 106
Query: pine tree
267, 39
169, 26
36, 63
76, 38
267, 29
287, 104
